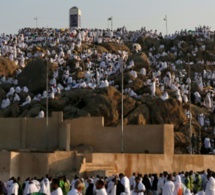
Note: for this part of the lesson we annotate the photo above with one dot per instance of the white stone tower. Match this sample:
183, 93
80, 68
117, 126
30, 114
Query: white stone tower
74, 17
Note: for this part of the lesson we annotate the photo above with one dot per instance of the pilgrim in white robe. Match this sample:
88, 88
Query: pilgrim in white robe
31, 188
126, 183
45, 187
210, 188
14, 189
111, 189
168, 188
41, 114
138, 187
58, 191
133, 73
16, 98
143, 71
27, 101
201, 119
101, 192
178, 186
165, 96
153, 88
208, 102
5, 103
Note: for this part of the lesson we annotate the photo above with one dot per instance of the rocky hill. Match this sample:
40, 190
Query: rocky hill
107, 101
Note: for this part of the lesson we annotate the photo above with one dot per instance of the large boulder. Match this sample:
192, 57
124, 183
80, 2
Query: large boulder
210, 56
34, 76
2, 94
101, 105
15, 110
115, 97
139, 116
75, 95
118, 79
7, 67
128, 105
6, 87
140, 61
58, 104
100, 102
101, 49
181, 140
168, 112
33, 112
6, 112
136, 84
73, 112
147, 43
115, 47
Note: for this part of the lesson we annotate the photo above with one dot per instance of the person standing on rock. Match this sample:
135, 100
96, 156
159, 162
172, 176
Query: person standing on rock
41, 114
153, 87
208, 102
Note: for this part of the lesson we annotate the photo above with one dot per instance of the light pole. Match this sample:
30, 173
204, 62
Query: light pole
36, 19
165, 19
190, 118
47, 97
122, 100
122, 109
110, 19
111, 22
47, 102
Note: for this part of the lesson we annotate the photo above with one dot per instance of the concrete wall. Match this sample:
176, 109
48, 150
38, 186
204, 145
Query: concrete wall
11, 133
27, 164
149, 163
27, 134
137, 139
68, 163
33, 134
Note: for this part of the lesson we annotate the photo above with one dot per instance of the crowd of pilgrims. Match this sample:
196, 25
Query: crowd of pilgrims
183, 183
60, 45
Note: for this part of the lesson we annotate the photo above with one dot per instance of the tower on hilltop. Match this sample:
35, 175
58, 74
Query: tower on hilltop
74, 17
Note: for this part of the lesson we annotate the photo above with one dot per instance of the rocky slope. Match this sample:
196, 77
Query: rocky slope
107, 101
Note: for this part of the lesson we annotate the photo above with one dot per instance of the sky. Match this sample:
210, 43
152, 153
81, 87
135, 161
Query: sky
134, 14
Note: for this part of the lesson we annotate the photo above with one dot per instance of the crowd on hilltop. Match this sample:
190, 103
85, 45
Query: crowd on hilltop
62, 45
183, 183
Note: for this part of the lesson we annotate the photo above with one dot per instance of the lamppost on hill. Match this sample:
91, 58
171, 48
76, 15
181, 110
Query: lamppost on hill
122, 64
190, 115
47, 103
122, 103
36, 19
165, 19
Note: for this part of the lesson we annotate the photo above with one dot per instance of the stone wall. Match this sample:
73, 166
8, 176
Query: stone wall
150, 163
32, 134
136, 139
25, 164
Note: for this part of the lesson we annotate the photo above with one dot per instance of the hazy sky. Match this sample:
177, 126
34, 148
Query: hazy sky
134, 14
